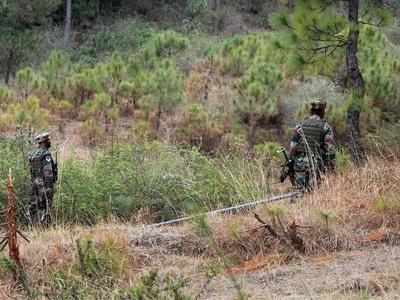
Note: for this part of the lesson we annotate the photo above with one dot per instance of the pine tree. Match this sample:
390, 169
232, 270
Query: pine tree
111, 76
82, 86
318, 29
258, 99
163, 90
27, 81
54, 72
68, 22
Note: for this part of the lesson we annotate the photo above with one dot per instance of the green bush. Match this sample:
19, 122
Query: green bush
99, 261
168, 43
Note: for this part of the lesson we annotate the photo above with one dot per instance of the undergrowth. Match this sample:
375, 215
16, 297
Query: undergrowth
167, 180
351, 210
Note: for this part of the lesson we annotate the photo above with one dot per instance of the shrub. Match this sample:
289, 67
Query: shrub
197, 128
62, 108
13, 154
54, 72
155, 286
91, 132
6, 97
82, 86
125, 36
27, 81
258, 98
97, 261
343, 160
29, 114
164, 90
269, 151
168, 43
170, 181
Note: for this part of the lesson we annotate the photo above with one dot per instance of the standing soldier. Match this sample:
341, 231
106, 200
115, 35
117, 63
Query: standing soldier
44, 176
312, 148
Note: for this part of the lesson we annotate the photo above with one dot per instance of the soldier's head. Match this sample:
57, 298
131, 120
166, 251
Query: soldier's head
43, 140
317, 107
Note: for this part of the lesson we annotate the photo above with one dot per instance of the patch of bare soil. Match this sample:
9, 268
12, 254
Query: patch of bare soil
372, 273
366, 273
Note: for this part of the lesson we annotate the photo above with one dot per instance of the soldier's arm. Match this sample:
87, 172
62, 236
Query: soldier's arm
329, 144
296, 139
329, 139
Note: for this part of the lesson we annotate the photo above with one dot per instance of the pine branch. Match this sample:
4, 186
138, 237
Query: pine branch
327, 49
321, 32
371, 24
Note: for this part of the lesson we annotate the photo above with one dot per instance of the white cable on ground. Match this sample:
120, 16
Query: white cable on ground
230, 209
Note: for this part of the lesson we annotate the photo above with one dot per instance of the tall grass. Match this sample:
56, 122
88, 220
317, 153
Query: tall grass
355, 208
166, 180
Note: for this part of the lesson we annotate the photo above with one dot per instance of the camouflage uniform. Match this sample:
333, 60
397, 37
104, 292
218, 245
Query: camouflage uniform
312, 147
44, 176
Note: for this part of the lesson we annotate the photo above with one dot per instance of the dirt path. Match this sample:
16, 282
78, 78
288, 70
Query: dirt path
372, 273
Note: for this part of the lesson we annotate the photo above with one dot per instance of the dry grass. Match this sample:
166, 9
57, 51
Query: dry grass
350, 211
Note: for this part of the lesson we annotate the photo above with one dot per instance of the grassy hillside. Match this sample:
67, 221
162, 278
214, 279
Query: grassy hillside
160, 109
353, 217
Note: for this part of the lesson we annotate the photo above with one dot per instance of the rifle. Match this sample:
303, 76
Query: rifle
287, 167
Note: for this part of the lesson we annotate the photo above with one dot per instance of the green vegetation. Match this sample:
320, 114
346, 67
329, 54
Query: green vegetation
168, 180
194, 110
162, 109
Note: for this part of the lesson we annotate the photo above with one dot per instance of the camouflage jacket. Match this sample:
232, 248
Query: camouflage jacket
42, 167
317, 135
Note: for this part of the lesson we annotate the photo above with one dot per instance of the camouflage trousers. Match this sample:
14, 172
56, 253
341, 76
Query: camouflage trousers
308, 171
41, 201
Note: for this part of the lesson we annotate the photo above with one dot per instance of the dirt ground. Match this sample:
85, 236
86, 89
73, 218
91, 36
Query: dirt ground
369, 273
372, 273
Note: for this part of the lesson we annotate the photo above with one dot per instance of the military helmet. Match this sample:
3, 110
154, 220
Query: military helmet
43, 137
318, 104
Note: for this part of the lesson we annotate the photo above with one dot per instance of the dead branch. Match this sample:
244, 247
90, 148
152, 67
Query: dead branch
267, 226
290, 236
297, 241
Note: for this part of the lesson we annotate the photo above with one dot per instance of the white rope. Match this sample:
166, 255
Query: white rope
230, 209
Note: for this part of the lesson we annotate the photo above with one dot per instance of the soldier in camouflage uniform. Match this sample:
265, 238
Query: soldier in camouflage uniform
44, 176
312, 147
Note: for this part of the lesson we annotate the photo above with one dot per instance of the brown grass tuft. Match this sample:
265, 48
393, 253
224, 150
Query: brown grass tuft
342, 214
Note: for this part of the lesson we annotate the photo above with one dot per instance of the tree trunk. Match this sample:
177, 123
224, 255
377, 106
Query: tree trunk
68, 21
355, 83
9, 66
213, 4
251, 135
290, 5
158, 119
217, 4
